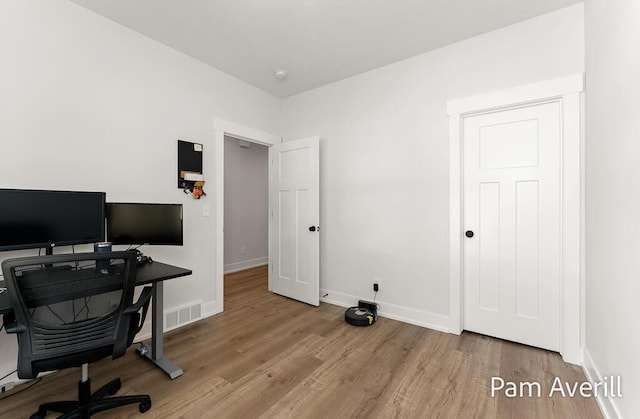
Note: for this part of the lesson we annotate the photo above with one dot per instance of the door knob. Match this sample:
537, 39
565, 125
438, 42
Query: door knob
469, 233
314, 228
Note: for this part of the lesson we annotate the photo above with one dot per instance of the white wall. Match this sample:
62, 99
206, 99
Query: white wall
384, 158
613, 200
246, 205
87, 104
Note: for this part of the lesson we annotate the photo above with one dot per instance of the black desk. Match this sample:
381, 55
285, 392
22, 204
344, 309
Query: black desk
155, 274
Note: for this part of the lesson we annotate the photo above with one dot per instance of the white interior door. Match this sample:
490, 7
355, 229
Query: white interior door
294, 236
512, 205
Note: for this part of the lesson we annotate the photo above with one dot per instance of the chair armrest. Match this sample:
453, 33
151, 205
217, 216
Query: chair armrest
141, 305
143, 301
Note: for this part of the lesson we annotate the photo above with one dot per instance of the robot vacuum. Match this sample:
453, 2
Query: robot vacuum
365, 314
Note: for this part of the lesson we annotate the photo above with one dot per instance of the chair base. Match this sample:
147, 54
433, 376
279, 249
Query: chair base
88, 404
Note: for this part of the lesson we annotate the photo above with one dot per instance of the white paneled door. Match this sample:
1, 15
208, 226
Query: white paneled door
512, 214
294, 236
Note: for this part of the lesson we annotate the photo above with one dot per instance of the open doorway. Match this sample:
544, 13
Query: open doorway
227, 129
294, 183
246, 204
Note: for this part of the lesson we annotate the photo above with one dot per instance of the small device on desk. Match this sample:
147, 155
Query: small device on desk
141, 259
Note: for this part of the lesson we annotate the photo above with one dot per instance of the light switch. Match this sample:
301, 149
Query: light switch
205, 210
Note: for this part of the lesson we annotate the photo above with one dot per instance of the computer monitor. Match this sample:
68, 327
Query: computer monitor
31, 219
139, 223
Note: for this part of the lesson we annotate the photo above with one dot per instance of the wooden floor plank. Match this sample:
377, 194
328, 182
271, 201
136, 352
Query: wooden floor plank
271, 357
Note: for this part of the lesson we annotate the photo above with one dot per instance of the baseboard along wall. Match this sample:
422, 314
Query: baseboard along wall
607, 404
392, 311
245, 264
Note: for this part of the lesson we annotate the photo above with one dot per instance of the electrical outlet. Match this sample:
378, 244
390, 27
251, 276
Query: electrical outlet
243, 251
376, 284
6, 387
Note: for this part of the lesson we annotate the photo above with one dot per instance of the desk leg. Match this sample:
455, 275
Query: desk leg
156, 354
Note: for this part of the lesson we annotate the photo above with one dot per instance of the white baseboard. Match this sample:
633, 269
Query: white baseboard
210, 309
391, 311
12, 380
6, 369
245, 264
607, 405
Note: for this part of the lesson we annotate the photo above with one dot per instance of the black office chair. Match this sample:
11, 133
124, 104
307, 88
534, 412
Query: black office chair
70, 310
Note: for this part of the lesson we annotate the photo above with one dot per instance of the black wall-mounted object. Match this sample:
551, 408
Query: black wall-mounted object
189, 161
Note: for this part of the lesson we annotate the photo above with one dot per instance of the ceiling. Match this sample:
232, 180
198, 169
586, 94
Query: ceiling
316, 41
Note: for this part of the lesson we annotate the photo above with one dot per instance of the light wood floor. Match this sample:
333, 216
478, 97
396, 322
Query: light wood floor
271, 357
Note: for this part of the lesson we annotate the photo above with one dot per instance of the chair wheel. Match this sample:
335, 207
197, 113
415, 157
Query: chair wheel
38, 415
144, 406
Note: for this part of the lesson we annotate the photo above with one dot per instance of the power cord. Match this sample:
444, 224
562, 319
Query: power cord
21, 389
12, 372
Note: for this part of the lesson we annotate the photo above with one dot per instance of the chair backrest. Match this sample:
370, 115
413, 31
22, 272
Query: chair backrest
70, 309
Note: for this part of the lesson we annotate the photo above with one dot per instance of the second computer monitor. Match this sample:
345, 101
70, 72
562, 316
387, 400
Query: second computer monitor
139, 223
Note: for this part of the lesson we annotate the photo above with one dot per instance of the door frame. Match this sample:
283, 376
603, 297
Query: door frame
566, 91
222, 128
